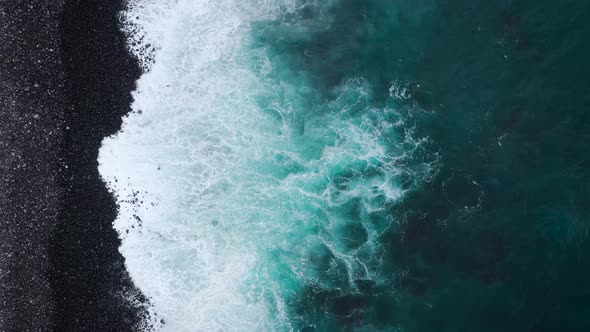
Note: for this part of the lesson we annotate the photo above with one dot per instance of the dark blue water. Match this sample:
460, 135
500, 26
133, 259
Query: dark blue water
497, 240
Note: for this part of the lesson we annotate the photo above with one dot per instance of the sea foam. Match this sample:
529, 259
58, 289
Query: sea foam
238, 184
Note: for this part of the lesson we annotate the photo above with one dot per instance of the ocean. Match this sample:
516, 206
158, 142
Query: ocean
346, 165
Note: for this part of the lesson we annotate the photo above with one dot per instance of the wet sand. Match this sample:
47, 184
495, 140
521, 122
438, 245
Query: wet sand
65, 82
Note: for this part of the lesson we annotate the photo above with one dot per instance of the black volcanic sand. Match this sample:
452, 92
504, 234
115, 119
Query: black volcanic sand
31, 136
65, 82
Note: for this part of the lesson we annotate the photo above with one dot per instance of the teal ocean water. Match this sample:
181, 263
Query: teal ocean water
357, 165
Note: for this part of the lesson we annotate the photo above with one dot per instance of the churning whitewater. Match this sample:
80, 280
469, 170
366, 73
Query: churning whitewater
240, 184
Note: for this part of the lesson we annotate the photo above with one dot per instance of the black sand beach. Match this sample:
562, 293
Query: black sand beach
65, 82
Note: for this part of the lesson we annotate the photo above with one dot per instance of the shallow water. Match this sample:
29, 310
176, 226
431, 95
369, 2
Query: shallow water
348, 165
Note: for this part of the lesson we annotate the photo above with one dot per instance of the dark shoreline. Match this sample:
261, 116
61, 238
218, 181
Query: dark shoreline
88, 275
66, 77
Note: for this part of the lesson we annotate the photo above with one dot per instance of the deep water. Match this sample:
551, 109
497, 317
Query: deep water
358, 165
498, 239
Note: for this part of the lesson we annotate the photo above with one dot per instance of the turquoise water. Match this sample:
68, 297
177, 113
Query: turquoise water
357, 165
497, 241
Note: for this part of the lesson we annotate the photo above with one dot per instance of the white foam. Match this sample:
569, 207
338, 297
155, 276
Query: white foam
231, 195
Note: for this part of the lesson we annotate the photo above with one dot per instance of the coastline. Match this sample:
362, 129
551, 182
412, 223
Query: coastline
66, 78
